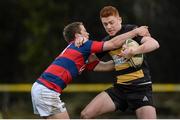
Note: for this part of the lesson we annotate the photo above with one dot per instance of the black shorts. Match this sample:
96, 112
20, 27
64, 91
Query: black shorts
132, 97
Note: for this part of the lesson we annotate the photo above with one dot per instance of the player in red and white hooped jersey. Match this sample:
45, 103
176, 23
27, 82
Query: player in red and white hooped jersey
68, 65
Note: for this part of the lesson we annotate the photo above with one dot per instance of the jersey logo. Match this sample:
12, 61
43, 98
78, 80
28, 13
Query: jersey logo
118, 60
145, 99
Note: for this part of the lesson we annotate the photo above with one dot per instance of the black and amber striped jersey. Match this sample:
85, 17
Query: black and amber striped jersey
125, 74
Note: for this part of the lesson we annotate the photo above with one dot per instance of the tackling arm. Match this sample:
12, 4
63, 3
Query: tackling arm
104, 66
96, 65
117, 41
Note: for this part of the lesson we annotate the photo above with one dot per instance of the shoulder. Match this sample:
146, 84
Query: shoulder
128, 27
88, 42
106, 38
91, 43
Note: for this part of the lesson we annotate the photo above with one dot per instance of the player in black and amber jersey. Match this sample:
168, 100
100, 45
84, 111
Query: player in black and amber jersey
69, 64
133, 86
126, 74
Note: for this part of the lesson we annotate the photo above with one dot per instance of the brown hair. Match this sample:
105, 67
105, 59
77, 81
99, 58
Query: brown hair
70, 30
108, 11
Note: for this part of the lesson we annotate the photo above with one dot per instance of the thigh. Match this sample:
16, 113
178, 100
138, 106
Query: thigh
46, 102
146, 112
140, 96
144, 104
118, 96
102, 103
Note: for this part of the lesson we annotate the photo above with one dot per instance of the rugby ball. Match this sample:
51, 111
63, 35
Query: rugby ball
137, 60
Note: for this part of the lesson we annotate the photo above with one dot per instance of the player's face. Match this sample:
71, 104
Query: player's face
84, 33
112, 24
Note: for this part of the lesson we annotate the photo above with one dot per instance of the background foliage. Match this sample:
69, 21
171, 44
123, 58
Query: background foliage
31, 36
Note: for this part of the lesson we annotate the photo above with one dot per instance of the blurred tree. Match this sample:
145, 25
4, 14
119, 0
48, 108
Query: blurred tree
43, 35
31, 33
10, 35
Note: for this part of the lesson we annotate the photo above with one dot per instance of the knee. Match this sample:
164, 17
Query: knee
85, 115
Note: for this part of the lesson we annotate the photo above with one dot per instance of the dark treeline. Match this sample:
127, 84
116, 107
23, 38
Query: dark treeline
31, 34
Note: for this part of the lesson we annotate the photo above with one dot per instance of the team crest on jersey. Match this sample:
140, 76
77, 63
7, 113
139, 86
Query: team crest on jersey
83, 67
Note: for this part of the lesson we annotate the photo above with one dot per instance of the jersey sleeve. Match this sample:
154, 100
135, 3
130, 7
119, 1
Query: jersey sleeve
97, 47
104, 53
92, 65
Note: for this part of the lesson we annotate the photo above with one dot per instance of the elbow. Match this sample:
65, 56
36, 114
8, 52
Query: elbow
157, 45
154, 43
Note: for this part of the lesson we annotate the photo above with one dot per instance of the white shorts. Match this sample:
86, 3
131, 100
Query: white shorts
46, 102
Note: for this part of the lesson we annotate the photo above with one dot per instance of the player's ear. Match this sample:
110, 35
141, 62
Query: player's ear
120, 19
77, 35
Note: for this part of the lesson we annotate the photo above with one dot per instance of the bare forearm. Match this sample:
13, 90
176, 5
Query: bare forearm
105, 66
118, 41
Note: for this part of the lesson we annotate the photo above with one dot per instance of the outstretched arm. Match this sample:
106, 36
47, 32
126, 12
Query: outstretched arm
96, 65
104, 66
100, 66
118, 41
